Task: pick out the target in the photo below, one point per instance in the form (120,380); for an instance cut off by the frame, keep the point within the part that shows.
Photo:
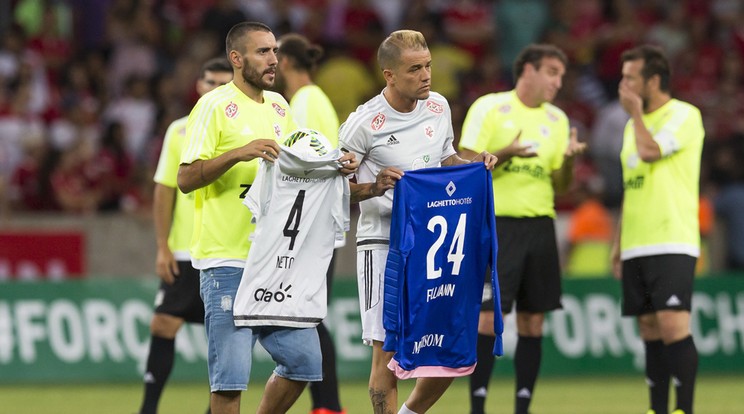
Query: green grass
(621,395)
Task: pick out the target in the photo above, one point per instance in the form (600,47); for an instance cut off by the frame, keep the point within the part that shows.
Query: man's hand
(268,149)
(487,158)
(348,164)
(631,101)
(166,266)
(386,180)
(574,146)
(519,149)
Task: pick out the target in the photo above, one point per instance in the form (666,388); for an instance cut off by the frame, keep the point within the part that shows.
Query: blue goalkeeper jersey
(442,237)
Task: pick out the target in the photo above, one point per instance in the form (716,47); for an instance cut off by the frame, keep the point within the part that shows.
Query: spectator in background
(136,112)
(114,168)
(73,181)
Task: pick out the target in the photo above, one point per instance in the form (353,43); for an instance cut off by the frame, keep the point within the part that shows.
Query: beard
(255,79)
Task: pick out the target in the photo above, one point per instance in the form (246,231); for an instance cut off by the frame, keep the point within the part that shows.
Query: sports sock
(324,393)
(683,362)
(526,365)
(405,410)
(158,369)
(481,376)
(657,375)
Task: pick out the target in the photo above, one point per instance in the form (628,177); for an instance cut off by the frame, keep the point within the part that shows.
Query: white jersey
(301,206)
(382,137)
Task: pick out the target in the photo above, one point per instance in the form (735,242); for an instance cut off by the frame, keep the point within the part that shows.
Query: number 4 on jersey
(292,227)
(455,254)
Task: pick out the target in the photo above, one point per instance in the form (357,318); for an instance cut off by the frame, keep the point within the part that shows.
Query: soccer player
(659,238)
(405,127)
(228,129)
(298,60)
(177,300)
(535,150)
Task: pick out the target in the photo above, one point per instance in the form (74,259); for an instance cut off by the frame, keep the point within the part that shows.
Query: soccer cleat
(678,412)
(326,411)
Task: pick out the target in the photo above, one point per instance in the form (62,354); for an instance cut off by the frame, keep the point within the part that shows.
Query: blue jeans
(296,351)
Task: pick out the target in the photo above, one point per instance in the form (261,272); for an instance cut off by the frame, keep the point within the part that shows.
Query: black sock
(683,362)
(526,365)
(325,393)
(657,375)
(481,376)
(159,366)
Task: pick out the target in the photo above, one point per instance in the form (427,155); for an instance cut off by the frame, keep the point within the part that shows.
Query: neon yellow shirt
(660,208)
(222,120)
(522,187)
(312,109)
(166,174)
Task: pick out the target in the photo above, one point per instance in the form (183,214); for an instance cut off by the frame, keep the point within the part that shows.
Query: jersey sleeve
(477,127)
(498,322)
(200,142)
(683,127)
(352,136)
(166,172)
(395,269)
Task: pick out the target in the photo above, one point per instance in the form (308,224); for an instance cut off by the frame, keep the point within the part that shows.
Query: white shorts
(370,283)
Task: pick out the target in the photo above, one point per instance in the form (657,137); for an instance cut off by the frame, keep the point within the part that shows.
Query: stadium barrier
(97,330)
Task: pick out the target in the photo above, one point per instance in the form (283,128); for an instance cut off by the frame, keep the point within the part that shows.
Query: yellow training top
(522,187)
(222,120)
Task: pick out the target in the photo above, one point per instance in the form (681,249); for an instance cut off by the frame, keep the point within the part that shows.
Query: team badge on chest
(231,110)
(279,109)
(378,122)
(429,131)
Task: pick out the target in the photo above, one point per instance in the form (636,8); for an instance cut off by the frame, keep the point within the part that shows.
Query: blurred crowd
(87,87)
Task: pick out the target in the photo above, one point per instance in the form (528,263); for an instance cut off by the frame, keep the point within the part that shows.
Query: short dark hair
(534,54)
(232,42)
(304,55)
(218,64)
(655,62)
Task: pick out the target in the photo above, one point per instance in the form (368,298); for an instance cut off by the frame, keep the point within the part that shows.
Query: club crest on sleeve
(378,122)
(552,117)
(505,109)
(231,110)
(434,107)
(279,109)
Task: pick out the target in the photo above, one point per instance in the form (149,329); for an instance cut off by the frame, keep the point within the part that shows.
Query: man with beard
(227,131)
(659,238)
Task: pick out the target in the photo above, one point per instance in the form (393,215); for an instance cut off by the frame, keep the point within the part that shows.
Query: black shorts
(182,298)
(527,263)
(654,283)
